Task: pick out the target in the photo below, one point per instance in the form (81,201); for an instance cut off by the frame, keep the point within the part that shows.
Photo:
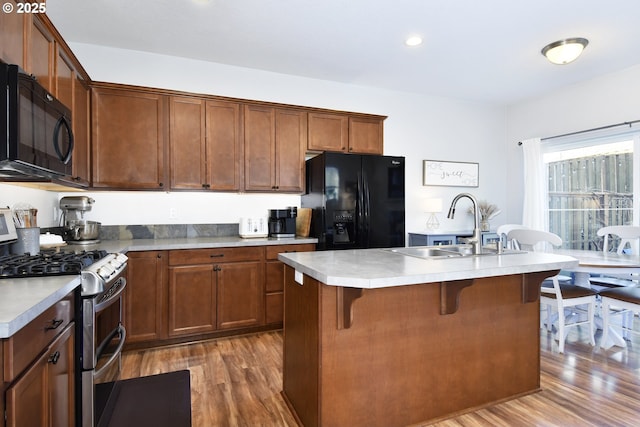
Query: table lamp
(432,206)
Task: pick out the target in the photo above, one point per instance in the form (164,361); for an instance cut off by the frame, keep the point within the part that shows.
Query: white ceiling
(479,50)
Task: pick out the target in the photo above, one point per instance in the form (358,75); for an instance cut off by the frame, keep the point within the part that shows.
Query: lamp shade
(564,51)
(432,205)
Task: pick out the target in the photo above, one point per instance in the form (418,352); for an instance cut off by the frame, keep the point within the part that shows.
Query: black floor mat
(155,401)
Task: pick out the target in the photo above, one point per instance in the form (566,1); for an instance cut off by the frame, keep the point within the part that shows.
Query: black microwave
(37,139)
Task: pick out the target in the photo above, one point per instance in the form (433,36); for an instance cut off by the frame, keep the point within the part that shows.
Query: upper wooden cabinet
(40,57)
(346,133)
(187,145)
(274,144)
(128,133)
(205,144)
(12,31)
(223,127)
(365,135)
(328,132)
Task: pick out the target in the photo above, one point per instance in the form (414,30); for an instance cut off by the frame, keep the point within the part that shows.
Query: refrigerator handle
(366,205)
(360,213)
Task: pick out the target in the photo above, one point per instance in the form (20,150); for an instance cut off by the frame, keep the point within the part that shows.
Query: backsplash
(162,231)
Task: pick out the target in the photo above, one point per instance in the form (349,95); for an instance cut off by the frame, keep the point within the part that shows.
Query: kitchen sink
(448,251)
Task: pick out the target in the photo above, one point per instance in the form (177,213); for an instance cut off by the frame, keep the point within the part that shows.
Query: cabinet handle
(54,324)
(54,358)
(216,255)
(217,268)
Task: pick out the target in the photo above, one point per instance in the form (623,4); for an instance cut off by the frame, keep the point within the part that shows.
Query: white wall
(610,99)
(418,127)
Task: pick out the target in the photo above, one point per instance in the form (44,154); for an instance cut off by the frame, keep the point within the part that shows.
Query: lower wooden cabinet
(145,298)
(274,280)
(215,289)
(44,395)
(178,295)
(39,369)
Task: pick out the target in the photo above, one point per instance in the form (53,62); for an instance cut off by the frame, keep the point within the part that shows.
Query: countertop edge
(423,272)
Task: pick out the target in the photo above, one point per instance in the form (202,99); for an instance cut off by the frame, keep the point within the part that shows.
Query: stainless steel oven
(103,334)
(100,334)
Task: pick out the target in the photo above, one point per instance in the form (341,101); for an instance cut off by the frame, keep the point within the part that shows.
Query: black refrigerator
(357,200)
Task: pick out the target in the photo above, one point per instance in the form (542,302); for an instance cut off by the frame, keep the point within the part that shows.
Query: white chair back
(629,236)
(534,240)
(503,233)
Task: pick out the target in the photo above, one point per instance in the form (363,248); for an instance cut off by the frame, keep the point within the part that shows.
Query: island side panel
(301,354)
(402,362)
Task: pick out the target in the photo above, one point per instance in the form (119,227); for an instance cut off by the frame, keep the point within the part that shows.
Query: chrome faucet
(476,239)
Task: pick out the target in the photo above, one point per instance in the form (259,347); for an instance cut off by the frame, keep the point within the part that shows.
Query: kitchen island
(377,338)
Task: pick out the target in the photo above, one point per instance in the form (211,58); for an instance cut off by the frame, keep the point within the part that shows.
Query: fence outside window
(588,193)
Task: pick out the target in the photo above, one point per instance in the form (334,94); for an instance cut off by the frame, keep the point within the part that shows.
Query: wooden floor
(237,382)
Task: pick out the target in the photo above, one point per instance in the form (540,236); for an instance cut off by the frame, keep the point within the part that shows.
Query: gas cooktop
(48,263)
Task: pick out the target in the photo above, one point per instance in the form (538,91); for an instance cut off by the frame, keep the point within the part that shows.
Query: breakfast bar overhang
(375,338)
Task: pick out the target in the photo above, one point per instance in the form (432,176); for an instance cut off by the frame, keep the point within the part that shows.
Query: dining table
(603,263)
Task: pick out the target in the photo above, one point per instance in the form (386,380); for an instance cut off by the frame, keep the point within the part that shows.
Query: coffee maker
(75,229)
(282,222)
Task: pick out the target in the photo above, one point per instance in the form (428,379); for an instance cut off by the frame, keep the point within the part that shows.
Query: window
(591,185)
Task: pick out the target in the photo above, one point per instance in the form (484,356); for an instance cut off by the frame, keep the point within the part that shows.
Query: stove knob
(105,271)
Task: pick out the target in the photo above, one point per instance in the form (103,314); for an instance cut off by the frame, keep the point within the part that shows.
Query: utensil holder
(28,241)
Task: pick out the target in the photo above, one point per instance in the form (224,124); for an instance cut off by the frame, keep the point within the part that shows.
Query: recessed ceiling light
(565,51)
(413,41)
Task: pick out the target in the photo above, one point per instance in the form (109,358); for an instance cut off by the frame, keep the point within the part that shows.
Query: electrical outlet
(173,213)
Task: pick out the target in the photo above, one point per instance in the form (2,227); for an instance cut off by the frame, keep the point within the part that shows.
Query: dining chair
(503,231)
(625,301)
(568,299)
(629,239)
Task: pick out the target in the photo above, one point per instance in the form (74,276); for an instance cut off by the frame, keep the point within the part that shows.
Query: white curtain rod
(588,130)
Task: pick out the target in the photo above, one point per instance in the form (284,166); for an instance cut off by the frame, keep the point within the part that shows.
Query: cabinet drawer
(273,251)
(215,255)
(23,347)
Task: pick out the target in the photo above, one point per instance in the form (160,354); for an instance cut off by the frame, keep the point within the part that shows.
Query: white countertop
(22,300)
(379,268)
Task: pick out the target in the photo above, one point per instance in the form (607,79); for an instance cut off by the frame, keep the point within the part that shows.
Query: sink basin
(447,251)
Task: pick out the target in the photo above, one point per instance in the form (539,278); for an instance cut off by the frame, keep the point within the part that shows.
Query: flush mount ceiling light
(413,41)
(565,51)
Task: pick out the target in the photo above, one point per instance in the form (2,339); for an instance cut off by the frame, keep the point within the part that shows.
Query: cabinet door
(61,380)
(192,300)
(224,145)
(145,296)
(81,129)
(328,132)
(64,79)
(365,135)
(240,295)
(291,143)
(128,139)
(44,395)
(259,148)
(40,53)
(12,34)
(187,143)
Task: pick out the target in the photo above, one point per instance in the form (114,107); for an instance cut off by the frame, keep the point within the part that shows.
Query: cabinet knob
(54,324)
(53,359)
(160,184)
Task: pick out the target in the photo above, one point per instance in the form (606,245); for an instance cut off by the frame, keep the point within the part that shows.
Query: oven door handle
(123,335)
(103,304)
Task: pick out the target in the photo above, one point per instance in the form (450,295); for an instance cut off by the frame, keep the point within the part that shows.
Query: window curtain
(534,209)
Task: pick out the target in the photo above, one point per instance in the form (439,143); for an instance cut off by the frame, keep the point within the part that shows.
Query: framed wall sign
(450,174)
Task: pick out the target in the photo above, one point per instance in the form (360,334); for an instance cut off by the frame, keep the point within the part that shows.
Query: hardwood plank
(237,382)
